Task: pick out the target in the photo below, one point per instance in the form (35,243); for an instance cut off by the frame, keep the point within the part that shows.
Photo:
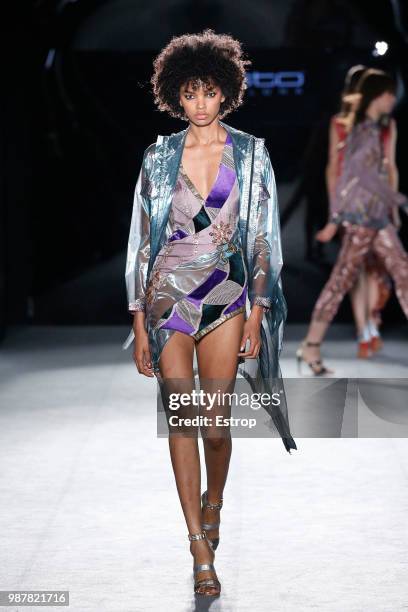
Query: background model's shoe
(210,587)
(364,349)
(317,367)
(211,526)
(376,344)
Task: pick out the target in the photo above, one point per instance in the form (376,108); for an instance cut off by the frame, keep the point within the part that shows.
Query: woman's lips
(201,116)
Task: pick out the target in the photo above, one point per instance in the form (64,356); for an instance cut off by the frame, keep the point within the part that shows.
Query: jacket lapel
(167,156)
(242,146)
(248,166)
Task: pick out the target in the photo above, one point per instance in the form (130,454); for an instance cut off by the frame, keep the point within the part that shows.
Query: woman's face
(201,102)
(386,102)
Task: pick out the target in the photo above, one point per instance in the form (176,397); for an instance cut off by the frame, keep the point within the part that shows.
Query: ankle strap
(307,343)
(211,506)
(197,536)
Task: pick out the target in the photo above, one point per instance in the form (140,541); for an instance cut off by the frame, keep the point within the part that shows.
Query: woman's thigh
(389,249)
(176,359)
(176,380)
(217,351)
(217,358)
(356,243)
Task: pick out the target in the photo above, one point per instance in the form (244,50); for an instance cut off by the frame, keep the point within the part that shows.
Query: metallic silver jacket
(260,237)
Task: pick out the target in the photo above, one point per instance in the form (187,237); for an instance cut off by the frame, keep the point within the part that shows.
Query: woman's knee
(217,442)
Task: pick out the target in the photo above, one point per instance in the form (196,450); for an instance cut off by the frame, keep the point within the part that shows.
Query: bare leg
(176,367)
(373,293)
(217,363)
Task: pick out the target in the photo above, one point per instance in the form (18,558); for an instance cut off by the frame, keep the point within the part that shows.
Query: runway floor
(89,504)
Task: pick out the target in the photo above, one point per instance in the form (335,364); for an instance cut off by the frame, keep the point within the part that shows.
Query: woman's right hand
(141,352)
(395,216)
(327,233)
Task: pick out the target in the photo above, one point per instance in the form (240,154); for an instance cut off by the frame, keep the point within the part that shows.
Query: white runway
(89,504)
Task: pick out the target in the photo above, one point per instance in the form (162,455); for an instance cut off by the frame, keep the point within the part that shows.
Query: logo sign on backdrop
(282,83)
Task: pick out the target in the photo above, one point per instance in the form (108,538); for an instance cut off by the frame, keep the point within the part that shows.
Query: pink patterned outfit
(363,206)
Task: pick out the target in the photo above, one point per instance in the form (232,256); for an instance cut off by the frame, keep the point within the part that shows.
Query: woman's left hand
(252,332)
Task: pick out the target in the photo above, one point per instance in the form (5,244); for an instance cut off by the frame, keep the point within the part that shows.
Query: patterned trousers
(357,243)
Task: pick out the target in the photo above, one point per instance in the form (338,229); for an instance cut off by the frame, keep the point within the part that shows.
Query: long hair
(372,85)
(351,82)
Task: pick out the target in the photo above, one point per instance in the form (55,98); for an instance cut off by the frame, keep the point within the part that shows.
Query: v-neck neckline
(190,183)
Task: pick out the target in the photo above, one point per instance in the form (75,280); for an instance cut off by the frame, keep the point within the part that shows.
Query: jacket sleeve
(267,256)
(138,250)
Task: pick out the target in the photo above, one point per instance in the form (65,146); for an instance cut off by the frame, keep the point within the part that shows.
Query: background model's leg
(356,243)
(388,247)
(359,301)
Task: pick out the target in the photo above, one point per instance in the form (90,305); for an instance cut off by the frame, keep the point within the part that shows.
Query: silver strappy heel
(317,366)
(213,583)
(209,526)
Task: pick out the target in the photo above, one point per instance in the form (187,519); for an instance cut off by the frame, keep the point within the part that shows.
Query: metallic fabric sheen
(259,230)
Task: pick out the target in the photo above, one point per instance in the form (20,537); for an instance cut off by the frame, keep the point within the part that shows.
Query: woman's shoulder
(240,134)
(341,124)
(149,151)
(233,130)
(174,138)
(391,125)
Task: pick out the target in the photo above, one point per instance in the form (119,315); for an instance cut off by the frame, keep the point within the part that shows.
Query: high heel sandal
(364,349)
(376,344)
(210,526)
(212,583)
(317,363)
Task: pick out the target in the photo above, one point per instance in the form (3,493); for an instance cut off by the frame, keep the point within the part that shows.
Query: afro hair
(216,59)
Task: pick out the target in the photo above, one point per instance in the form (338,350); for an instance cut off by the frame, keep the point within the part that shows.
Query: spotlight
(380,48)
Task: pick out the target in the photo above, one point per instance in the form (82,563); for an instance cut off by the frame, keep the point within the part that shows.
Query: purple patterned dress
(199,278)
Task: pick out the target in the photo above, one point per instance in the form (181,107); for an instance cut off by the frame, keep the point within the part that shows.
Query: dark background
(77,113)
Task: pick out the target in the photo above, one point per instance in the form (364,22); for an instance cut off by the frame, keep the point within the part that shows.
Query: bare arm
(390,150)
(393,177)
(330,229)
(333,161)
